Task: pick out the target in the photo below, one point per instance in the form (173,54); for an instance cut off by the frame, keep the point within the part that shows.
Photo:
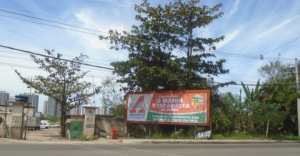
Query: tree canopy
(63,82)
(153,63)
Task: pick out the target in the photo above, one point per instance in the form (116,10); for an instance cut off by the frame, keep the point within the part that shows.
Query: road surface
(16,148)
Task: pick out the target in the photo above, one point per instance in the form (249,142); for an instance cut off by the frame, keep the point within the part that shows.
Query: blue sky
(251,28)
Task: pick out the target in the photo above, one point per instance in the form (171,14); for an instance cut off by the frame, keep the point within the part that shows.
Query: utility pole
(298,91)
(26,128)
(94,91)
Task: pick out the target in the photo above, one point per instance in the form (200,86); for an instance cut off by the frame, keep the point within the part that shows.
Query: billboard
(184,107)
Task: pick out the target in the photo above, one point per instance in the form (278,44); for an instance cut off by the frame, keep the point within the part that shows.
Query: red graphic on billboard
(139,101)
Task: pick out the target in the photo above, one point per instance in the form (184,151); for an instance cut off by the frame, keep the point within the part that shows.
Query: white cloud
(234,8)
(277,27)
(229,37)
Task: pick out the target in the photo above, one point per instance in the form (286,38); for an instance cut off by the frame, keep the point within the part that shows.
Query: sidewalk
(179,141)
(146,141)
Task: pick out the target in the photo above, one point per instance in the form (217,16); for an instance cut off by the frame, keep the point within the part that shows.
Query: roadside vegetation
(266,109)
(52,119)
(166,52)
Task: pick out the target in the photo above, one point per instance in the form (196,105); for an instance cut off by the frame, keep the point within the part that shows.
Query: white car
(54,125)
(44,126)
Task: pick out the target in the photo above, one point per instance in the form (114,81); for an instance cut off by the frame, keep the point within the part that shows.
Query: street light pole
(298,91)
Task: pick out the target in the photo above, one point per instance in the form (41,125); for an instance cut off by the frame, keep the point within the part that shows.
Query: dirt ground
(44,134)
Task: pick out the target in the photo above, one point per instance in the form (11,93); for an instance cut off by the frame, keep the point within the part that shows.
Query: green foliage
(152,63)
(158,136)
(247,136)
(84,138)
(110,93)
(284,137)
(51,119)
(280,95)
(119,110)
(238,136)
(177,134)
(229,115)
(63,82)
(252,95)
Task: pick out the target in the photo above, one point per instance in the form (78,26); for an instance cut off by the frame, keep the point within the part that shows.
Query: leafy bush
(177,134)
(158,136)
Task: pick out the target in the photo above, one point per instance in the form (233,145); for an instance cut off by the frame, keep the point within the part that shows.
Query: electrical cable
(33,53)
(267,52)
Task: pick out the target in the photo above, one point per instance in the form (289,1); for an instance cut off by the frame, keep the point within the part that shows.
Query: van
(44,125)
(45,122)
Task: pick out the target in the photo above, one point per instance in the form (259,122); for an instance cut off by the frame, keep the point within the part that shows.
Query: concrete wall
(2,131)
(8,124)
(104,124)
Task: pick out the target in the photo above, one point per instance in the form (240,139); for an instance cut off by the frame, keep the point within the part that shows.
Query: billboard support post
(149,131)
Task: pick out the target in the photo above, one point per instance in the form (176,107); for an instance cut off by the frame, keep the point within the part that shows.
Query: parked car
(44,125)
(45,122)
(54,125)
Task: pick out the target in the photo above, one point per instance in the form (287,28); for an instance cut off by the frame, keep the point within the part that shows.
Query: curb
(148,141)
(138,141)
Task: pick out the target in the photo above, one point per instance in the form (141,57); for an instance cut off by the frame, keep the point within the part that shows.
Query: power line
(217,52)
(42,19)
(78,27)
(163,82)
(33,53)
(268,52)
(53,17)
(50,25)
(37,18)
(90,58)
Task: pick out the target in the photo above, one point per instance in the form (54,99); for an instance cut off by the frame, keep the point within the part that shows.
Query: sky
(251,29)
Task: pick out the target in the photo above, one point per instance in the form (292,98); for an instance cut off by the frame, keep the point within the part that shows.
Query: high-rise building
(45,108)
(53,108)
(75,111)
(103,110)
(4,97)
(33,99)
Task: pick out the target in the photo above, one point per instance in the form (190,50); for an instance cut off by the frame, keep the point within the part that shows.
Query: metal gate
(76,129)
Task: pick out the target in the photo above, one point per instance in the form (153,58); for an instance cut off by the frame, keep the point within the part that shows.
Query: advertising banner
(186,107)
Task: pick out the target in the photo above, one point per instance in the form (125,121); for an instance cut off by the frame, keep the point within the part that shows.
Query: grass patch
(285,137)
(95,137)
(239,136)
(246,136)
(158,136)
(179,134)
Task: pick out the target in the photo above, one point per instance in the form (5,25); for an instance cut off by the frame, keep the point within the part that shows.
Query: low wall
(8,118)
(2,131)
(104,124)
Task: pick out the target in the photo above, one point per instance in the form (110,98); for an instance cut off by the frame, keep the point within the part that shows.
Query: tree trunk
(267,131)
(63,123)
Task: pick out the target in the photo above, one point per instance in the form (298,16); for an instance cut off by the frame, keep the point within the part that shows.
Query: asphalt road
(90,149)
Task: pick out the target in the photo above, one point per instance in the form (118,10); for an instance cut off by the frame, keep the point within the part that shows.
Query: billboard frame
(170,92)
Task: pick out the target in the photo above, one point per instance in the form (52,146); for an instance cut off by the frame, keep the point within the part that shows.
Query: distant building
(102,110)
(76,111)
(53,108)
(45,108)
(4,97)
(33,99)
(83,108)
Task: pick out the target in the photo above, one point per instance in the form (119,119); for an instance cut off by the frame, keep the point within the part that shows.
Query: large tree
(63,82)
(111,95)
(280,90)
(153,63)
